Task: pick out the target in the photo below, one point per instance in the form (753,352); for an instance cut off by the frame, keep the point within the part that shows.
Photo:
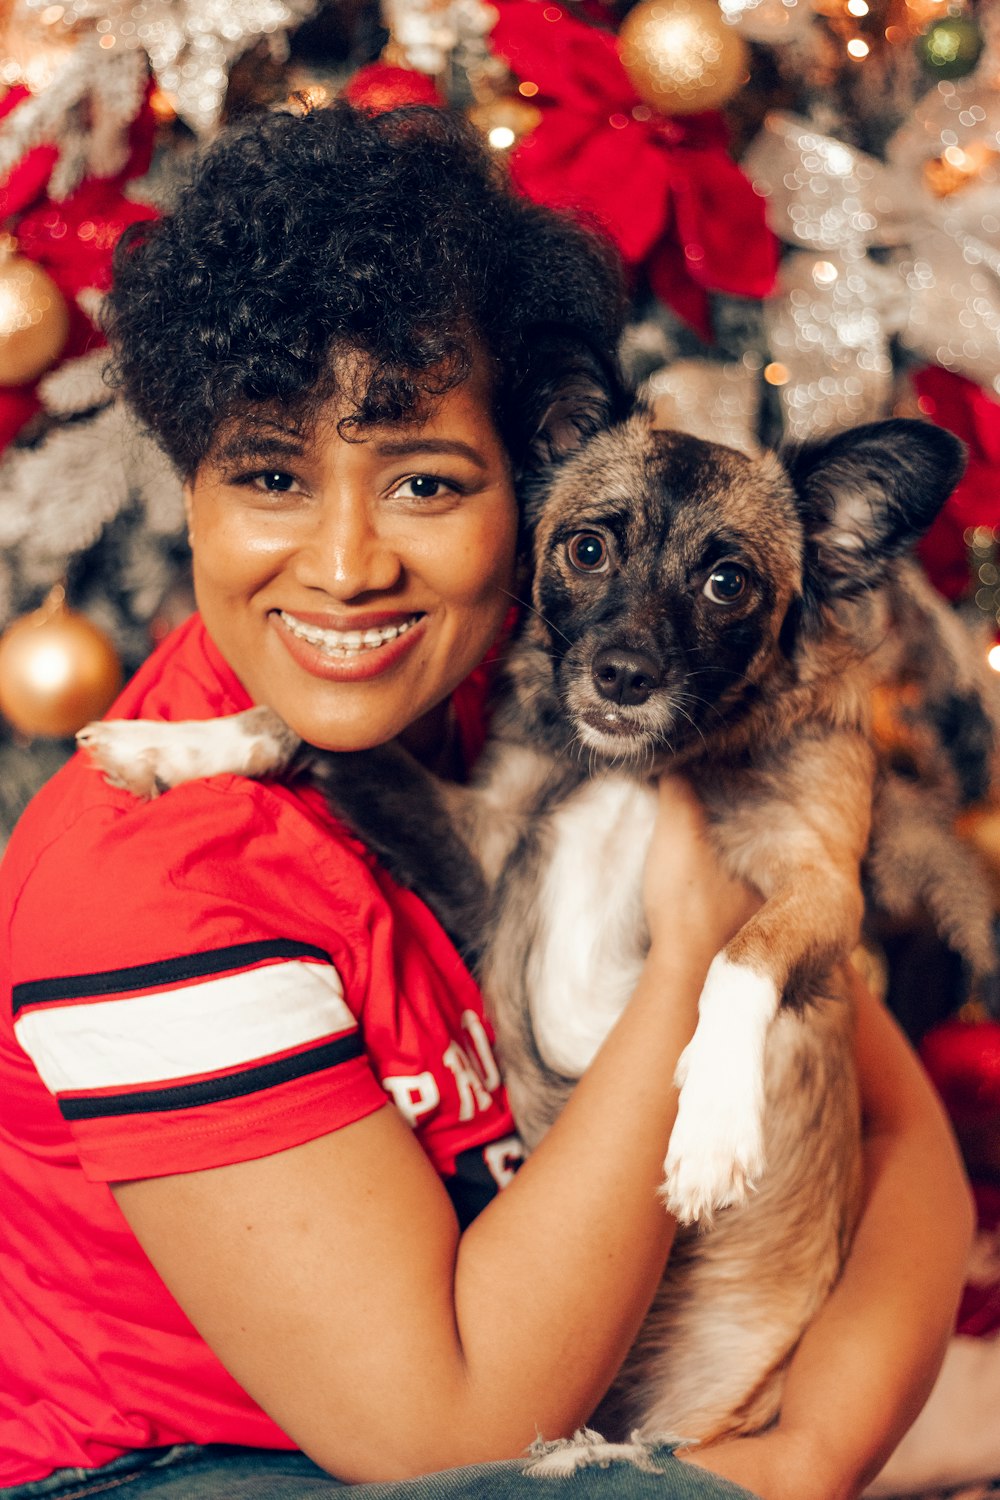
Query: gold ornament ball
(34,321)
(681,56)
(57,672)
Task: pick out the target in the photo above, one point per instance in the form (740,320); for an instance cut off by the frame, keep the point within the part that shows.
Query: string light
(983,543)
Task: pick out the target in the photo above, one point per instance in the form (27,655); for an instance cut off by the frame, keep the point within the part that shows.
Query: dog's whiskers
(527,604)
(692,721)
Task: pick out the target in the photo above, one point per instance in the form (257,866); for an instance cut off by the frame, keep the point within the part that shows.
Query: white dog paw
(712,1163)
(147,756)
(716,1151)
(127,753)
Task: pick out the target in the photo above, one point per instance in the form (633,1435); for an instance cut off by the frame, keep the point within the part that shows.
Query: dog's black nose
(623,676)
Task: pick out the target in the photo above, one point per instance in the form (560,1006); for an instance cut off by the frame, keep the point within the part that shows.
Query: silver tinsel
(933,282)
(86,110)
(709,399)
(439,36)
(190,43)
(57,499)
(770,21)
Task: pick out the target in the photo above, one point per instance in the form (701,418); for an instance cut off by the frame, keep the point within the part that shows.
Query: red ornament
(963,1060)
(979,1309)
(666,191)
(380,87)
(71,239)
(965,409)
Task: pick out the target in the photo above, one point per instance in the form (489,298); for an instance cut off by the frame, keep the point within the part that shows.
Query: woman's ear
(188,492)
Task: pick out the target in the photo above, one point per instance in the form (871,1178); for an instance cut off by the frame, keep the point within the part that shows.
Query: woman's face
(352,584)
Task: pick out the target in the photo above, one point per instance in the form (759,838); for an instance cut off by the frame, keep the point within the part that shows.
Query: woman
(232,1269)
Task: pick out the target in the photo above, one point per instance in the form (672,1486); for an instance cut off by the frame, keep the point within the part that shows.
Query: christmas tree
(805,195)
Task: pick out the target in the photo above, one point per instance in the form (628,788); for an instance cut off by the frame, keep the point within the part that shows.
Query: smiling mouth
(343,644)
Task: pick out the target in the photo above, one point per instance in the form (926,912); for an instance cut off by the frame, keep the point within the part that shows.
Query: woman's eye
(274,481)
(423,487)
(726,583)
(588,552)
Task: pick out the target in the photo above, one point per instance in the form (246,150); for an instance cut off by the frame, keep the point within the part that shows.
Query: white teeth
(346,642)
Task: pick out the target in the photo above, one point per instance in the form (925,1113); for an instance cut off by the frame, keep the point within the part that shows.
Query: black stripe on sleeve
(213,1090)
(168,971)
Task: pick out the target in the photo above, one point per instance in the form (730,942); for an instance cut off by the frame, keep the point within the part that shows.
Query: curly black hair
(392,235)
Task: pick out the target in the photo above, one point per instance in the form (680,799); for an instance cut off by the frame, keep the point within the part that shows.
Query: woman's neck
(434,741)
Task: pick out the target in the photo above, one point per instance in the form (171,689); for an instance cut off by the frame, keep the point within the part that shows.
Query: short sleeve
(182,976)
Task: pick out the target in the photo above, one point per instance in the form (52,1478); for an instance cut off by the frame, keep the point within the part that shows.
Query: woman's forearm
(866,1364)
(582,1226)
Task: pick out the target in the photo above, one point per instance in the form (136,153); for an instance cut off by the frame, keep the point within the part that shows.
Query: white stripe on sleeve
(200,1028)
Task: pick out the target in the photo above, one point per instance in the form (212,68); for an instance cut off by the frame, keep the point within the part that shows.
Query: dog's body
(694,609)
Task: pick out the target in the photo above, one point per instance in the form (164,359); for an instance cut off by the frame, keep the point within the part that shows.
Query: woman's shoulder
(95,878)
(89,863)
(81,832)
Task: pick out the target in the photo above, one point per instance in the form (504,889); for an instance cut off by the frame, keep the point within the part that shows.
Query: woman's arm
(866,1364)
(332,1281)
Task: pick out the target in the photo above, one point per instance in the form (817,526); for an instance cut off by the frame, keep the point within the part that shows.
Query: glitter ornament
(57,671)
(950,48)
(34,320)
(681,56)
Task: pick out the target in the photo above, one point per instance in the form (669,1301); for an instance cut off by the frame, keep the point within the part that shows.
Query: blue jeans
(218,1472)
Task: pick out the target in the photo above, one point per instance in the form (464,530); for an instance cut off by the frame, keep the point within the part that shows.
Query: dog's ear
(571,391)
(865,496)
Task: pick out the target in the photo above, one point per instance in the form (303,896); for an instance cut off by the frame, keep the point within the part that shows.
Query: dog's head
(676,582)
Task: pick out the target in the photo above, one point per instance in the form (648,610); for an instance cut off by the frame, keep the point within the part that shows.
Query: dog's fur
(763,700)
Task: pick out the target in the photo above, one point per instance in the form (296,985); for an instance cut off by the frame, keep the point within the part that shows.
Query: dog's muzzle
(624,676)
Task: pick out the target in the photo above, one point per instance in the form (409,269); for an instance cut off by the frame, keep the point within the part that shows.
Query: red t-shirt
(206,978)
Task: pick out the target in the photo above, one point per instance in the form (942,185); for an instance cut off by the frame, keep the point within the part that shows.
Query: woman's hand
(865,1366)
(776,1465)
(689,898)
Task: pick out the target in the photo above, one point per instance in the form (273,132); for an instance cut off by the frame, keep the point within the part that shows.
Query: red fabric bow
(72,240)
(966,410)
(664,189)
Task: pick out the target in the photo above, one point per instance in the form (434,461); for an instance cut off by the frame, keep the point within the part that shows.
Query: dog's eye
(588,552)
(726,583)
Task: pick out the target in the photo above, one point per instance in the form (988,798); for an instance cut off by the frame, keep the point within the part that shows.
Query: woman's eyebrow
(401,447)
(256,444)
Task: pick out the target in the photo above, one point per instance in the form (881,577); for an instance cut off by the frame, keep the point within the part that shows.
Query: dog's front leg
(716,1152)
(804,855)
(148,756)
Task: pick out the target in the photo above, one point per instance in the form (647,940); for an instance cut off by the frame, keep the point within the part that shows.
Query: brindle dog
(691,608)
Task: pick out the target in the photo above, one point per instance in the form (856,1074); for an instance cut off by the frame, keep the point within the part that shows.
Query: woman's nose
(347,555)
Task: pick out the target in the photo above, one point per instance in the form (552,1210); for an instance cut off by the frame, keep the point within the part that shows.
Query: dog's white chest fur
(594,931)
